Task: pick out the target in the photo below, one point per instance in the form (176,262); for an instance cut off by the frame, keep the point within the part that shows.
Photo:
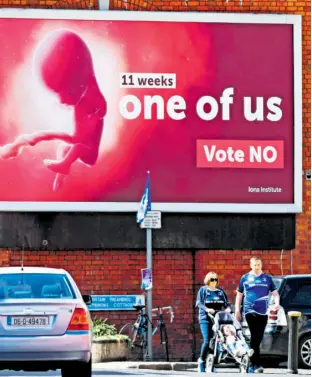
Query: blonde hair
(255,259)
(209,276)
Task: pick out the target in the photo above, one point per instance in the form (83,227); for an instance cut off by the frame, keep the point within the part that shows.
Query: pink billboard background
(64,137)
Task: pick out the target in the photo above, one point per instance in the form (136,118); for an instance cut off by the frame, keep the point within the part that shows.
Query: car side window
(288,291)
(303,295)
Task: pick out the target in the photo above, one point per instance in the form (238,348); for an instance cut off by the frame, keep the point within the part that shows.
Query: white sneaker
(201,366)
(259,369)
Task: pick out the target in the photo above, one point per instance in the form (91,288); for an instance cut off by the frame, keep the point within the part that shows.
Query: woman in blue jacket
(210,298)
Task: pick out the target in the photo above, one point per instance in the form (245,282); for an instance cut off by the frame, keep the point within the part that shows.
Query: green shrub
(104,331)
(101,328)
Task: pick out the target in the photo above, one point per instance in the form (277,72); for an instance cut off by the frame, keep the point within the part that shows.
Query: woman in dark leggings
(210,298)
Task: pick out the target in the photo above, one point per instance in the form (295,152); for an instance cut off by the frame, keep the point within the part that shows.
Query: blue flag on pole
(145,204)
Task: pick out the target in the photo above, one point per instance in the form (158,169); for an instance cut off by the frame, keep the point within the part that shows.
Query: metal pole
(149,294)
(293,343)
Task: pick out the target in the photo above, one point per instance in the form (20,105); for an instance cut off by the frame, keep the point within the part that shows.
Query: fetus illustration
(64,64)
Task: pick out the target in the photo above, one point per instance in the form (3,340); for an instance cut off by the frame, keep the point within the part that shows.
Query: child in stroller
(228,343)
(235,345)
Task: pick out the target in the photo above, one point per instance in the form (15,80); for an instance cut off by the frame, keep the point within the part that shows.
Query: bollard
(293,343)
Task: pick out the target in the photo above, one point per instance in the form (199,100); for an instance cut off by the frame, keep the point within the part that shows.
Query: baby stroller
(220,352)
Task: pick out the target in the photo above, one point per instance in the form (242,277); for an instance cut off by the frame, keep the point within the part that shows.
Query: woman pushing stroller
(219,328)
(210,299)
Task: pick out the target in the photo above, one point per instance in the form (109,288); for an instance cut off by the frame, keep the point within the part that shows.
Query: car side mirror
(87,299)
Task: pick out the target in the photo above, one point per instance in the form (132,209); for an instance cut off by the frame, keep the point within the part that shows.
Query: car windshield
(21,285)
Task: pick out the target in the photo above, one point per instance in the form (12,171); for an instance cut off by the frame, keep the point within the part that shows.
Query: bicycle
(137,332)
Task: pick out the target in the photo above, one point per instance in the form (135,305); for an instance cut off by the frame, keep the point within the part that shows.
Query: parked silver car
(44,322)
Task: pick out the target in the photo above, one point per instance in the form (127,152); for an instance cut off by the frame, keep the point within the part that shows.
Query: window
(303,295)
(288,292)
(38,286)
(278,282)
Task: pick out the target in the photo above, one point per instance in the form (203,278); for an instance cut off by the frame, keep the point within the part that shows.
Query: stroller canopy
(225,318)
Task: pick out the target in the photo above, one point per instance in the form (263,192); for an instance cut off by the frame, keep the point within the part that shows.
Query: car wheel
(304,355)
(78,369)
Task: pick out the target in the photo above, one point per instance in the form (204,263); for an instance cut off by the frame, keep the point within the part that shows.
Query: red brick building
(179,273)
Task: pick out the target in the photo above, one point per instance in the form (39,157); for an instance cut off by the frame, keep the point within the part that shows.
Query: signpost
(152,220)
(148,220)
(149,293)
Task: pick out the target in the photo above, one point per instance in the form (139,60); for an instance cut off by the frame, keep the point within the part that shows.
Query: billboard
(210,104)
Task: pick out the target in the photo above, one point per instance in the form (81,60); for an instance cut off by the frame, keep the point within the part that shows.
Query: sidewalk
(177,366)
(146,365)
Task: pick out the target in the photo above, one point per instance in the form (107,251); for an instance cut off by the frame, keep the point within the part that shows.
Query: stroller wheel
(243,368)
(210,363)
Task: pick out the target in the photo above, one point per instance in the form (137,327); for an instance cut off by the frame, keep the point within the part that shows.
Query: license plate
(29,321)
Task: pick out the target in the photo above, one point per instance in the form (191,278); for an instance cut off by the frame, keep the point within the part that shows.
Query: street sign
(152,220)
(101,302)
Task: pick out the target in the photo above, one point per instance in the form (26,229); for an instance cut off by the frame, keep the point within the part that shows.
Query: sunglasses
(212,280)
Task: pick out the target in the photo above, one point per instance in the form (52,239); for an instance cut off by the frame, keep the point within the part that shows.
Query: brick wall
(4,258)
(178,274)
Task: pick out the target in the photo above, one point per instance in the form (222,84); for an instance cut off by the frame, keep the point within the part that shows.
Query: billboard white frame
(294,20)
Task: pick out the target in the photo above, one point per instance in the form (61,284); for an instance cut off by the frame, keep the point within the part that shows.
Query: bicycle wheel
(138,344)
(164,341)
(129,330)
